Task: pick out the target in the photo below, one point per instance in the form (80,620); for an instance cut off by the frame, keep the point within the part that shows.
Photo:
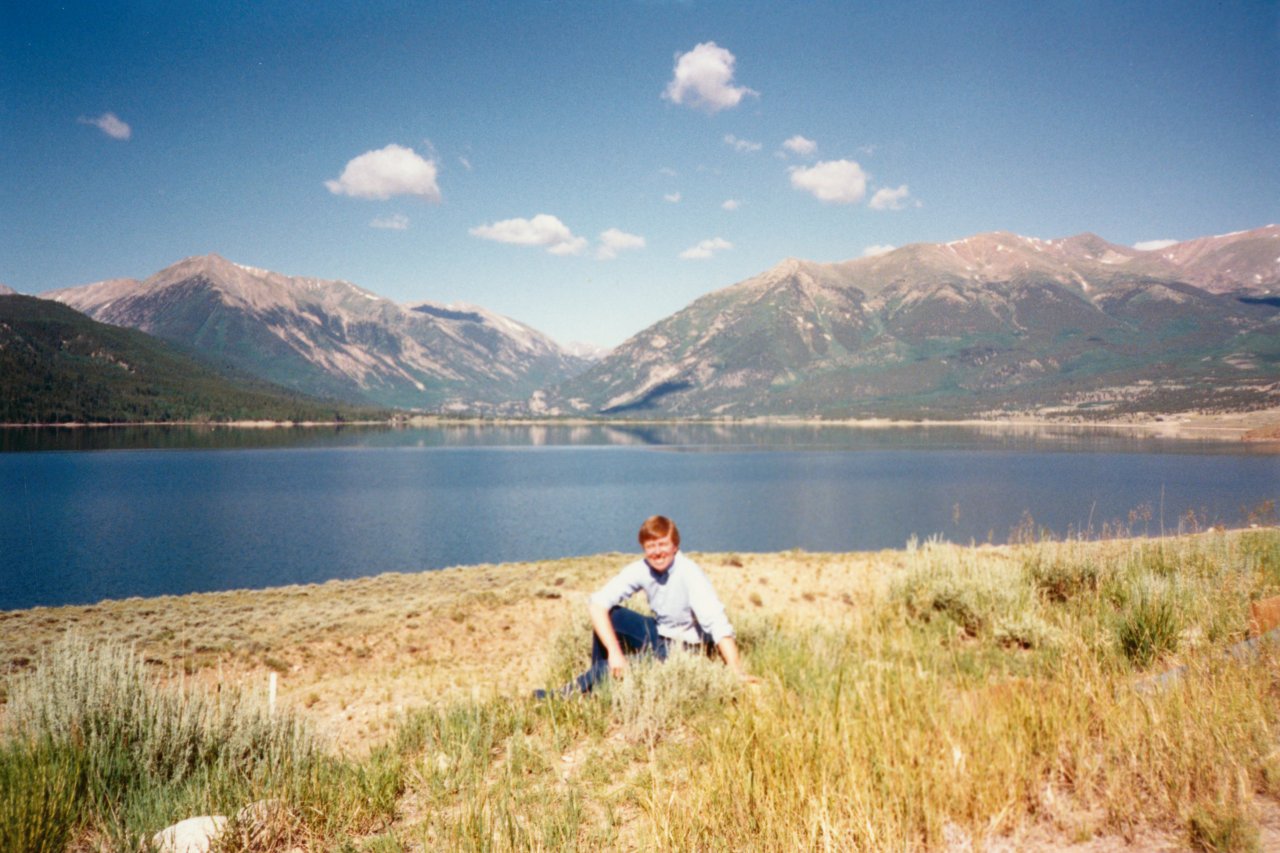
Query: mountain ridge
(333,338)
(59,366)
(989,322)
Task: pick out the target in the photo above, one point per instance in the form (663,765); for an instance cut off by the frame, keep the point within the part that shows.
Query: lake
(92,514)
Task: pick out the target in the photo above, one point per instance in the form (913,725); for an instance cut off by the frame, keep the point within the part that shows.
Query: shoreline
(355,652)
(487,570)
(1262,425)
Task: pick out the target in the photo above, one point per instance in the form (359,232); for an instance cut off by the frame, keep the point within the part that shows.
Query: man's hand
(729,651)
(618,664)
(609,639)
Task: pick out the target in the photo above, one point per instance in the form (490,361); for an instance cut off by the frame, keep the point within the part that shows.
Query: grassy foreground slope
(939,697)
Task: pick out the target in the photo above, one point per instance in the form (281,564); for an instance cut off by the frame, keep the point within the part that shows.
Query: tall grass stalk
(40,795)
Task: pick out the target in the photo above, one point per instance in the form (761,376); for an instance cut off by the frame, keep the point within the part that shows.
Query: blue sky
(591,167)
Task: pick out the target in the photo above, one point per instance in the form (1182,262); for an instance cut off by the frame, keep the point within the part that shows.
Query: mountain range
(994,322)
(59,366)
(332,338)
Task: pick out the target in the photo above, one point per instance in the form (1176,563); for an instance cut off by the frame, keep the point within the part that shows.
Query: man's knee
(633,630)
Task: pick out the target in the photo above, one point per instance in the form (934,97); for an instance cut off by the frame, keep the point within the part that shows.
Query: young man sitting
(686,610)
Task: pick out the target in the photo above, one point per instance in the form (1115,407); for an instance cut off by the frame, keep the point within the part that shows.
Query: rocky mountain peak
(211,265)
(1086,243)
(254,288)
(807,276)
(784,270)
(985,320)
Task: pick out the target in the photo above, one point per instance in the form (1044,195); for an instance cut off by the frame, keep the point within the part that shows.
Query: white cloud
(394,222)
(745,146)
(872,251)
(1153,245)
(835,181)
(887,199)
(614,241)
(674,198)
(703,78)
(111,125)
(390,171)
(466,164)
(573,246)
(705,249)
(542,230)
(800,146)
(731,204)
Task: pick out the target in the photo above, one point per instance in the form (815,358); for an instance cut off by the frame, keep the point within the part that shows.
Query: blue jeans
(637,635)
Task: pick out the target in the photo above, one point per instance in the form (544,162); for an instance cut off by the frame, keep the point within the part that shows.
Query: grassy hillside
(59,366)
(940,697)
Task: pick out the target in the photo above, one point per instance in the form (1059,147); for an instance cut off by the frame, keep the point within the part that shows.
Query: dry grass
(351,653)
(938,697)
(354,654)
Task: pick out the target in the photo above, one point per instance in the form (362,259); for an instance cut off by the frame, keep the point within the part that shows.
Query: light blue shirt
(681,598)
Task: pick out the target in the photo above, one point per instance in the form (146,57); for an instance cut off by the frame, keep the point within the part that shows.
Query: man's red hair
(658,526)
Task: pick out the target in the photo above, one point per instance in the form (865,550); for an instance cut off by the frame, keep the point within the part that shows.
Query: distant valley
(994,323)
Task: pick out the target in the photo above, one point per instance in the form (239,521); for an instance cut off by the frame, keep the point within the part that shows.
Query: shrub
(137,754)
(656,697)
(570,650)
(1061,577)
(984,598)
(104,701)
(1025,631)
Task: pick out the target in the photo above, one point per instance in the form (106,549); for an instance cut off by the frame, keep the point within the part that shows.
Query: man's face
(659,553)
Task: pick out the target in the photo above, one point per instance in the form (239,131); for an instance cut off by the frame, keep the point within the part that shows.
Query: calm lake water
(87,515)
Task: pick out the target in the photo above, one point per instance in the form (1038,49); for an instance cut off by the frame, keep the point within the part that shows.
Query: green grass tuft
(1222,829)
(41,791)
(1149,626)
